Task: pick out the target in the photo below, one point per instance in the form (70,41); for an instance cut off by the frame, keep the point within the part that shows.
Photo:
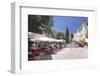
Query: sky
(72,22)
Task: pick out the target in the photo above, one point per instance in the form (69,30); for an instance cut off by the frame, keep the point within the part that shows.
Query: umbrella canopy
(34,35)
(43,39)
(46,39)
(38,37)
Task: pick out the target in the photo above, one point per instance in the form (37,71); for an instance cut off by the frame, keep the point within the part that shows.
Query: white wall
(5,33)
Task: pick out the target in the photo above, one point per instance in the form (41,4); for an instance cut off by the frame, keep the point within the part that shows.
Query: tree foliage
(67,35)
(60,35)
(87,35)
(38,24)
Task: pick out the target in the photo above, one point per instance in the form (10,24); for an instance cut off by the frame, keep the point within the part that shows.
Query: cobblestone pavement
(71,53)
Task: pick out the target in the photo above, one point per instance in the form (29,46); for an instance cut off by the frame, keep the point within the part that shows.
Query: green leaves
(67,35)
(60,35)
(87,35)
(38,24)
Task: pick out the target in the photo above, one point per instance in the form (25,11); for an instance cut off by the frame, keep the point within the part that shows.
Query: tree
(60,35)
(71,36)
(87,35)
(49,32)
(39,24)
(34,23)
(67,35)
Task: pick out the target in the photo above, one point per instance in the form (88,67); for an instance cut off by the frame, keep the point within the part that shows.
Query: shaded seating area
(43,47)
